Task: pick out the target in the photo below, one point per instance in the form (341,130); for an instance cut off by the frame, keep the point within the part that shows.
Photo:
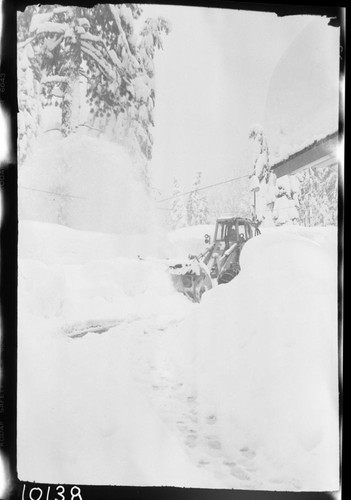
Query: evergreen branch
(106,71)
(96,51)
(94,38)
(52,44)
(54,78)
(21,45)
(113,9)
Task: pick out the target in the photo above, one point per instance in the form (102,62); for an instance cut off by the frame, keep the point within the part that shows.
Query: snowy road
(178,409)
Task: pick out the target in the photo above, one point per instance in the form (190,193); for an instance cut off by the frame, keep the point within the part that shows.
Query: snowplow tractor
(219,263)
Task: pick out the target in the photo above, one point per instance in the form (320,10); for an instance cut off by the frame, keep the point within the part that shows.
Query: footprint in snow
(211,419)
(215,445)
(191,439)
(203,462)
(247,452)
(238,472)
(181,425)
(213,442)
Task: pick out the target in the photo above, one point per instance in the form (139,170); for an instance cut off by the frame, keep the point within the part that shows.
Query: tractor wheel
(227,276)
(203,289)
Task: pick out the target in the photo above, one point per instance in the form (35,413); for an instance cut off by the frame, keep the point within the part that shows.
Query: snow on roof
(293,149)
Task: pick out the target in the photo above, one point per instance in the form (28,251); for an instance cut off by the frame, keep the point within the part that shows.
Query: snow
(142,90)
(83,182)
(50,27)
(287,150)
(126,14)
(302,104)
(260,356)
(52,244)
(239,391)
(39,19)
(189,240)
(88,421)
(100,398)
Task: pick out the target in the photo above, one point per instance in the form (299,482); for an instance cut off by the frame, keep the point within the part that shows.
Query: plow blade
(191,278)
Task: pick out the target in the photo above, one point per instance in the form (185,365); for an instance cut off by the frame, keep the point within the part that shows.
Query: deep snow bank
(260,354)
(83,418)
(86,183)
(54,243)
(57,244)
(82,415)
(189,240)
(76,276)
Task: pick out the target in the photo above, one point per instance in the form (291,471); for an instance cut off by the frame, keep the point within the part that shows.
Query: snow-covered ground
(123,381)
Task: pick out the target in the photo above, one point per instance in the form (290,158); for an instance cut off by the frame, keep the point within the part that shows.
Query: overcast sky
(222,71)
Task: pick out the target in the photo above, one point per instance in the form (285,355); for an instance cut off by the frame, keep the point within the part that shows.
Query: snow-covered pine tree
(260,152)
(318,196)
(260,178)
(28,84)
(203,211)
(178,210)
(86,70)
(144,84)
(197,207)
(285,211)
(62,44)
(193,200)
(275,201)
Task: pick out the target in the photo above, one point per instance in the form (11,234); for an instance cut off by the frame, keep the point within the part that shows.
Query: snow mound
(260,355)
(189,240)
(82,276)
(82,412)
(86,419)
(85,183)
(56,244)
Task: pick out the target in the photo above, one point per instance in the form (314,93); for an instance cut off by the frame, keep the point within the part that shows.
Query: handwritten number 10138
(51,493)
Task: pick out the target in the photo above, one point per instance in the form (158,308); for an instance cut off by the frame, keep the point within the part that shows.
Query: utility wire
(52,192)
(205,187)
(158,201)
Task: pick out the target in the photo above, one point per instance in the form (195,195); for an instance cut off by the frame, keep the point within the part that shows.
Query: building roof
(321,152)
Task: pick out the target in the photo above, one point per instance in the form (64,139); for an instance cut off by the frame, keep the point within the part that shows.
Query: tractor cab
(234,230)
(231,233)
